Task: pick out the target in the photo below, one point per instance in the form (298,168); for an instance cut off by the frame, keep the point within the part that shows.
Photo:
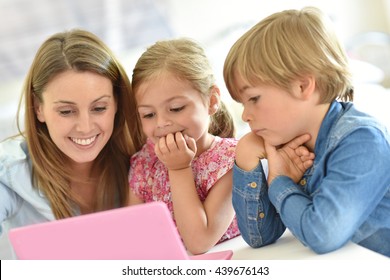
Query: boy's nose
(245,116)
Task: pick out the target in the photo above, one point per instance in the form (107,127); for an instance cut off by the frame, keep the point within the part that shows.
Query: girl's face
(168,105)
(79,110)
(272,113)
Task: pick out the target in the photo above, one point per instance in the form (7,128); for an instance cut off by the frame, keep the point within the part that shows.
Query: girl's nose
(163,122)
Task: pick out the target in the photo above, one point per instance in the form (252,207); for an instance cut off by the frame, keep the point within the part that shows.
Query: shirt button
(302,182)
(261,215)
(253,185)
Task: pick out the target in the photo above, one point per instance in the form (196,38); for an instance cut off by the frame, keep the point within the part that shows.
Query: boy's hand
(176,151)
(292,159)
(249,150)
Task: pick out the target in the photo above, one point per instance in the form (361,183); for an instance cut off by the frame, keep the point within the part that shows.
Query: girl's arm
(134,199)
(201,225)
(136,179)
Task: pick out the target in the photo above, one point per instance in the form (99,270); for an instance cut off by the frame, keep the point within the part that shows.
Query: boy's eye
(177,109)
(254,99)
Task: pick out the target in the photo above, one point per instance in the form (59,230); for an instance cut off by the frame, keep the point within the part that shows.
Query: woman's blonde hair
(288,45)
(79,50)
(186,59)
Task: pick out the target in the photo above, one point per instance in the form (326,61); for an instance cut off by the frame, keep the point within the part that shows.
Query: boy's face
(274,114)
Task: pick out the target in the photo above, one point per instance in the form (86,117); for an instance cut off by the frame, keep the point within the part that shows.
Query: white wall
(217,24)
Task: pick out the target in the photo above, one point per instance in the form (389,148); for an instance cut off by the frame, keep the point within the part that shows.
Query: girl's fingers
(190,143)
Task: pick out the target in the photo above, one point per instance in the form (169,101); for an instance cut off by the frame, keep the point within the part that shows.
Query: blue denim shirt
(344,196)
(20,202)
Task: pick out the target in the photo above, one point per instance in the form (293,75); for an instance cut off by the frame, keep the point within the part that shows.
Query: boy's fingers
(300,140)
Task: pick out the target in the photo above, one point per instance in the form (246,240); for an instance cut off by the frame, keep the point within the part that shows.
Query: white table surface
(290,248)
(286,247)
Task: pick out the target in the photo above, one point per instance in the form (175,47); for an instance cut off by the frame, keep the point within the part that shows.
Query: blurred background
(129,26)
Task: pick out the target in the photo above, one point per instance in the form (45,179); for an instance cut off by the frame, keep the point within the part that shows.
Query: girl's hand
(291,159)
(176,151)
(249,150)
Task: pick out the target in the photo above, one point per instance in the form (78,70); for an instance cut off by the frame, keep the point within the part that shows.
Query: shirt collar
(335,109)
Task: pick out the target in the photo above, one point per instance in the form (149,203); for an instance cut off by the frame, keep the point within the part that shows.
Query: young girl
(186,161)
(81,129)
(291,75)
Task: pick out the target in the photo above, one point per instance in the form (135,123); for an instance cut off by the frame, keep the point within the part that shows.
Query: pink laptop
(141,232)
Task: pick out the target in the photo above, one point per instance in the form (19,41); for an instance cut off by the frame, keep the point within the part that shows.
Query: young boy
(291,75)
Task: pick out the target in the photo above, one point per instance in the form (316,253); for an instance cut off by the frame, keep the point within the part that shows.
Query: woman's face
(79,110)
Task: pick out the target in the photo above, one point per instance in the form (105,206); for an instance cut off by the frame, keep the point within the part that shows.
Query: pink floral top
(148,177)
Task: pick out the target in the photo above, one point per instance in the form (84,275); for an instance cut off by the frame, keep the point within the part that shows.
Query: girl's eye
(148,116)
(177,109)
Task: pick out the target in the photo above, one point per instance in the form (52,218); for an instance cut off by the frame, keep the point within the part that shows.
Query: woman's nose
(84,122)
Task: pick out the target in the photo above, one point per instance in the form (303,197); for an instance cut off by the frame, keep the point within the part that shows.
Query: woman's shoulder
(13,150)
(15,165)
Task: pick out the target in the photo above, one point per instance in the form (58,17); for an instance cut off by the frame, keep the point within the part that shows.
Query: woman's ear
(38,110)
(214,100)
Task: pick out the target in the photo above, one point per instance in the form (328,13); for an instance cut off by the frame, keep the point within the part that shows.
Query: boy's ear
(214,100)
(307,85)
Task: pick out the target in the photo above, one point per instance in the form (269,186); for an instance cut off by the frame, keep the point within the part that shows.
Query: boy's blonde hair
(288,45)
(187,60)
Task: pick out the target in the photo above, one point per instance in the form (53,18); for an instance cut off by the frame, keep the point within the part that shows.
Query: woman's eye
(100,109)
(177,109)
(65,112)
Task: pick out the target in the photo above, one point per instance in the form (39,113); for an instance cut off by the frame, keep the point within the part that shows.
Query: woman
(81,128)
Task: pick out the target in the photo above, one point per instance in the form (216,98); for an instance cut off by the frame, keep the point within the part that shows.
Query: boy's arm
(291,160)
(258,220)
(250,149)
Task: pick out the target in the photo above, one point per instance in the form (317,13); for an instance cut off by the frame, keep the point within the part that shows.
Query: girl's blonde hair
(187,60)
(286,46)
(79,50)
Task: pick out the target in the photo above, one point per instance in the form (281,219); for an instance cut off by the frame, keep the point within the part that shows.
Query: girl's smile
(167,105)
